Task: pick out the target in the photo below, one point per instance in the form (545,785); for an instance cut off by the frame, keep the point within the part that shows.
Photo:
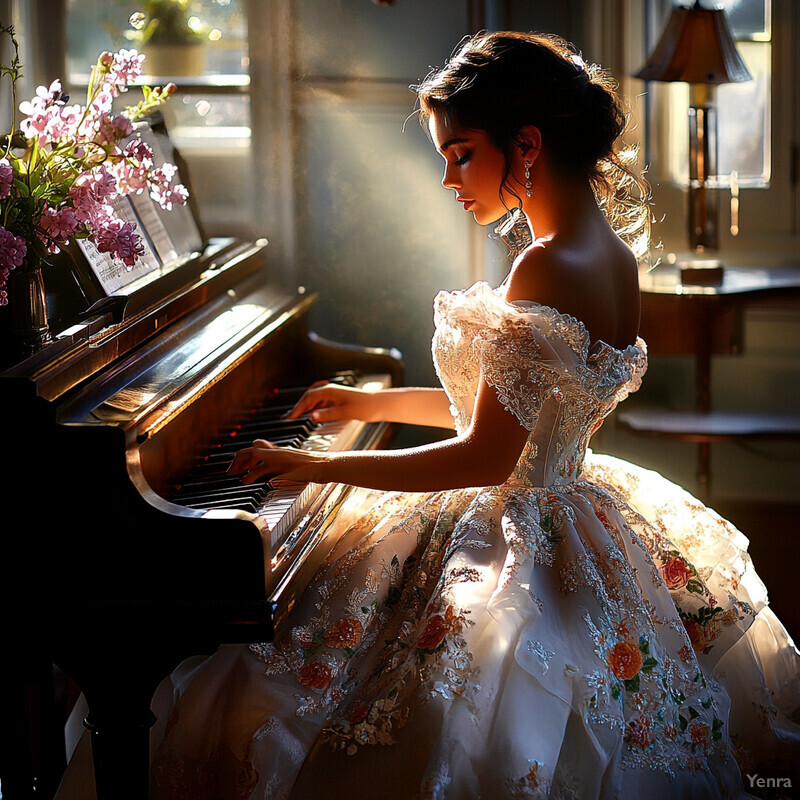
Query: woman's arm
(327,402)
(484,455)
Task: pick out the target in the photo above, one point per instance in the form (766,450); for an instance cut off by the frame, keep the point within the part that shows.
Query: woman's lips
(467,203)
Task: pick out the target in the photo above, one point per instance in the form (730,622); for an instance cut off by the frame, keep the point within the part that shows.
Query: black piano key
(210,485)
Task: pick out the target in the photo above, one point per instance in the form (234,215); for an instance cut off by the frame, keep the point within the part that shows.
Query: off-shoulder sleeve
(527,352)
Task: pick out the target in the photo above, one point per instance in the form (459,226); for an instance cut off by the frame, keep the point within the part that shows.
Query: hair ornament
(579,63)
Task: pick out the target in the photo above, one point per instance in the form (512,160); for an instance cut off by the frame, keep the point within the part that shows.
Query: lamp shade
(695,47)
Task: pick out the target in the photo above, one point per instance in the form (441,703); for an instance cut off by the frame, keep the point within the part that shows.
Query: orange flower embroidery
(686,653)
(625,660)
(315,675)
(730,616)
(437,628)
(699,733)
(701,636)
(345,633)
(639,733)
(676,573)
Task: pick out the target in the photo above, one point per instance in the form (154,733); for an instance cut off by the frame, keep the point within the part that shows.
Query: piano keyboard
(281,504)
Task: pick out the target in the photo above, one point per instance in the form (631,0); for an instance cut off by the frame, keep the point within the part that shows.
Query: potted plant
(60,172)
(171,36)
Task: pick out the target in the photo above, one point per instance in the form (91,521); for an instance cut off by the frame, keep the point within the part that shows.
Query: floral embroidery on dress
(603,602)
(531,785)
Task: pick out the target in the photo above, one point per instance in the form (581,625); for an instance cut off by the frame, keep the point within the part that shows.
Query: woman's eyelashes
(459,162)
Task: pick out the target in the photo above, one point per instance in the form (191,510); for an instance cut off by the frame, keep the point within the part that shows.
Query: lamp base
(702,272)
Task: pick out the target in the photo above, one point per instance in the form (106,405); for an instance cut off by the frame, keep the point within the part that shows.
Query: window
(202,46)
(758,125)
(743,109)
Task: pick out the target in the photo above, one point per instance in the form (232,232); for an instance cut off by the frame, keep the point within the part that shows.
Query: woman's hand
(329,402)
(267,460)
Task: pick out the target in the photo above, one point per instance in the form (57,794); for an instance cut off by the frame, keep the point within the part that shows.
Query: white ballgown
(586,630)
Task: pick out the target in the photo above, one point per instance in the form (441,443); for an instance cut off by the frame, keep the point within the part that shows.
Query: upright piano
(126,547)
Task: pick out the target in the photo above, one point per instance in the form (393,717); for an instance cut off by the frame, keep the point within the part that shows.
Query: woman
(566,629)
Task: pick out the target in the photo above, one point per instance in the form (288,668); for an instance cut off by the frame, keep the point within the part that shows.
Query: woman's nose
(448,180)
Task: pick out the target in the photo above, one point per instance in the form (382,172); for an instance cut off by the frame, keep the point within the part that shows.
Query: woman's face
(474,168)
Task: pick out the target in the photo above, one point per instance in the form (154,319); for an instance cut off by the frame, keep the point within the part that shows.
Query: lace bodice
(544,371)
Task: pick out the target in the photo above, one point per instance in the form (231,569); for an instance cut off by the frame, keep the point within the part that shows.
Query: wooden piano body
(104,574)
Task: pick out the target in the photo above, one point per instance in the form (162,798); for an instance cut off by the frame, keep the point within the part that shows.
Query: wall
(373,230)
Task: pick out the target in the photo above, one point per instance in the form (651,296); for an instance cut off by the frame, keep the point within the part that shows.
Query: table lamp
(697,48)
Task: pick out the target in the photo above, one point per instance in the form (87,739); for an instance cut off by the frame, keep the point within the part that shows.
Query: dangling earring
(528,184)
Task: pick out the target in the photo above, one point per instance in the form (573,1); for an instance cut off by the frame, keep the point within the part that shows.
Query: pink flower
(44,98)
(102,184)
(119,239)
(162,192)
(101,104)
(125,68)
(60,224)
(12,249)
(130,179)
(6,178)
(48,116)
(132,169)
(139,151)
(12,254)
(85,204)
(110,129)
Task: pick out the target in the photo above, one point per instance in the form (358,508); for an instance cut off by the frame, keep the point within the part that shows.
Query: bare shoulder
(597,284)
(535,274)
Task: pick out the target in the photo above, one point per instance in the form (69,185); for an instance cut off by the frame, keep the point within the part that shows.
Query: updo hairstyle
(500,82)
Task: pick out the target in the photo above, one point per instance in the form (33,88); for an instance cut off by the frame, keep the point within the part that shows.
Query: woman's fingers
(250,458)
(264,460)
(324,396)
(312,397)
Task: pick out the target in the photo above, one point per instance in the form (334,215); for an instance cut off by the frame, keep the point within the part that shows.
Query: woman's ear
(529,141)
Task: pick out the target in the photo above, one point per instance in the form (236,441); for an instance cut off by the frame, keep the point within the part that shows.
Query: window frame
(769,217)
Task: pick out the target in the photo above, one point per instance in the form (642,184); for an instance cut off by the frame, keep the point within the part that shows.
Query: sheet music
(151,223)
(167,236)
(113,274)
(179,222)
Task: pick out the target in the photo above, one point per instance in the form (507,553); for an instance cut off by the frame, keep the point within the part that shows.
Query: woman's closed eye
(463,160)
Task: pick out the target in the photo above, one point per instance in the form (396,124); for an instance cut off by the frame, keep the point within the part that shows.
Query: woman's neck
(558,206)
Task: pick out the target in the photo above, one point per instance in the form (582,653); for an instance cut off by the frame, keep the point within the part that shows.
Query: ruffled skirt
(606,638)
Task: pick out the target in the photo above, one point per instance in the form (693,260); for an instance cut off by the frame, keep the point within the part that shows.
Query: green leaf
(632,684)
(644,645)
(693,713)
(648,664)
(615,691)
(683,723)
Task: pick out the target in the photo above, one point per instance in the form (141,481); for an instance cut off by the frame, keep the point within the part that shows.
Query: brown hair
(500,82)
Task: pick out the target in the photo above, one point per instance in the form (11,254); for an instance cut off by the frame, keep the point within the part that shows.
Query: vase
(174,60)
(28,304)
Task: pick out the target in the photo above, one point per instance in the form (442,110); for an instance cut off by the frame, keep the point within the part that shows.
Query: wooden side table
(704,321)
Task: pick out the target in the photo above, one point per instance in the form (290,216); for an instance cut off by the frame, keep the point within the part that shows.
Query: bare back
(591,275)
